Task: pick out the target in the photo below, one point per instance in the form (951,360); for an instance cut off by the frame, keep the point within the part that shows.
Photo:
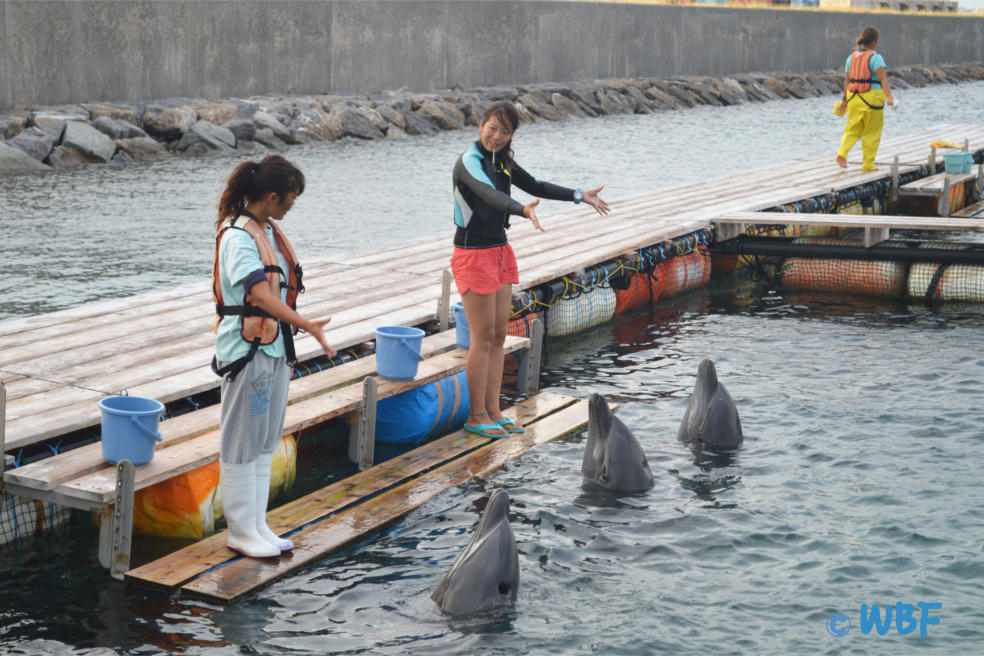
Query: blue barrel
(398,351)
(462,334)
(411,417)
(129,428)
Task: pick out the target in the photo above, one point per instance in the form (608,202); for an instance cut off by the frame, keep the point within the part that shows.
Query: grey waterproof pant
(253,409)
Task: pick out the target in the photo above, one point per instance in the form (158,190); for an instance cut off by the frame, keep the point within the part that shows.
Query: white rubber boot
(239,502)
(263,465)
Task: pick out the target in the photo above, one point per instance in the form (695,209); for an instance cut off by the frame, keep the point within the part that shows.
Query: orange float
(642,289)
(684,273)
(879,278)
(187,506)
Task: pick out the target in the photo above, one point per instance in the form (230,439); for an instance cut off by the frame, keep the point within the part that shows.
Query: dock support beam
(116,530)
(444,302)
(874,236)
(894,196)
(932,160)
(528,375)
(362,434)
(3,436)
(943,208)
(726,231)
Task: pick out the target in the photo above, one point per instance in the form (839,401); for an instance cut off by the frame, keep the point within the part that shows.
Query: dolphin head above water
(613,458)
(711,417)
(486,573)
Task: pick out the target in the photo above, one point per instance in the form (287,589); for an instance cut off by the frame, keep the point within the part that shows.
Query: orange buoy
(878,278)
(684,273)
(643,288)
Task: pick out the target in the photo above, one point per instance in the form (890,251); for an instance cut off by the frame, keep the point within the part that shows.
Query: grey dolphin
(612,456)
(486,573)
(711,417)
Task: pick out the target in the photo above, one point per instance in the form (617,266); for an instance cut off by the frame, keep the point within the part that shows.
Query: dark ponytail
(251,181)
(868,36)
(508,115)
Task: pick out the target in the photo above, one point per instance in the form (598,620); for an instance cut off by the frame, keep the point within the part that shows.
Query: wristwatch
(578,196)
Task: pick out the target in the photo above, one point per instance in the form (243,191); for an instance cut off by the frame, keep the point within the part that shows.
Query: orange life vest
(859,76)
(258,327)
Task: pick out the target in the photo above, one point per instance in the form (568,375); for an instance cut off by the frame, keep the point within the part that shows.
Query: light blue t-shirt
(239,257)
(876,62)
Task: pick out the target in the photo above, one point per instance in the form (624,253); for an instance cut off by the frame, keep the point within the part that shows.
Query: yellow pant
(866,124)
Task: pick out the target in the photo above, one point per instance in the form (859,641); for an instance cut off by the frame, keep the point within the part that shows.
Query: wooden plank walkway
(82,479)
(56,366)
(335,516)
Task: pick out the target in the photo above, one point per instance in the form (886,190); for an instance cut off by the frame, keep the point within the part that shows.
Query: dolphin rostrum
(486,573)
(711,417)
(613,458)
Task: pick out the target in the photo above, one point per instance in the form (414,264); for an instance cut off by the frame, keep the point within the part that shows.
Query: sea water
(858,484)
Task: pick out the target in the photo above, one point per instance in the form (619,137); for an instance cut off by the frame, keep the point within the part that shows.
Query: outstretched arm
(261,296)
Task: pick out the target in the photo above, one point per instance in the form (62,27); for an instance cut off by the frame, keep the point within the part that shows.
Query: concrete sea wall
(72,51)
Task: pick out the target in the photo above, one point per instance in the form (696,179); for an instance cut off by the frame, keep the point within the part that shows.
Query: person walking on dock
(255,281)
(866,92)
(483,263)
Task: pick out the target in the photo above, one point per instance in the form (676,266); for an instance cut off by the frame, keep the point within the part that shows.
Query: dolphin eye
(604,471)
(504,587)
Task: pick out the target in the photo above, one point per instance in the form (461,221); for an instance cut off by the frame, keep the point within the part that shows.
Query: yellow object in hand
(839,108)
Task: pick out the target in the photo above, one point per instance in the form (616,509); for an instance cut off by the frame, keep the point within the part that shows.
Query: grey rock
(611,102)
(682,94)
(168,122)
(117,112)
(473,109)
(419,124)
(265,119)
(566,105)
(14,161)
(395,132)
(494,93)
(642,104)
(266,137)
(215,135)
(249,147)
(197,148)
(355,124)
(448,116)
(12,124)
(391,114)
(116,128)
(35,142)
(63,157)
(374,117)
(662,100)
(243,129)
(143,149)
(542,109)
(217,113)
(246,108)
(585,96)
(322,126)
(299,136)
(63,112)
(89,141)
(525,115)
(50,124)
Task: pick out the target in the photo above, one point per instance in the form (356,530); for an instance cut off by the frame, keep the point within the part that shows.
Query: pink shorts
(484,270)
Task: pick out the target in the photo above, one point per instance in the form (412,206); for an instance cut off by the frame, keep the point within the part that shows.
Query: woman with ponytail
(866,92)
(255,281)
(483,263)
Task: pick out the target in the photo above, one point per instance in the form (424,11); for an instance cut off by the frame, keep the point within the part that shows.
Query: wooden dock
(158,344)
(333,517)
(55,367)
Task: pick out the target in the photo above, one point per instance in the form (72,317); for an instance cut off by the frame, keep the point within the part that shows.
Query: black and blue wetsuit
(482,204)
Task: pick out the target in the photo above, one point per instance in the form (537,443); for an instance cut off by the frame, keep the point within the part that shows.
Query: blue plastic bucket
(958,162)
(129,428)
(462,334)
(398,351)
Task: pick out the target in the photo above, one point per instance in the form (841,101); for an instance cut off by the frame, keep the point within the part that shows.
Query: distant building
(942,6)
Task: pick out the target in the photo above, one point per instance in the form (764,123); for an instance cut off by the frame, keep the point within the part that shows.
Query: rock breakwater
(36,139)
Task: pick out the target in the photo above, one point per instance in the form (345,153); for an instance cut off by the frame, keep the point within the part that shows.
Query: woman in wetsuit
(483,262)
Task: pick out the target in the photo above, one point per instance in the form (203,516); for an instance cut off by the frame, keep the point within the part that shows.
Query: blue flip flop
(506,421)
(479,429)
